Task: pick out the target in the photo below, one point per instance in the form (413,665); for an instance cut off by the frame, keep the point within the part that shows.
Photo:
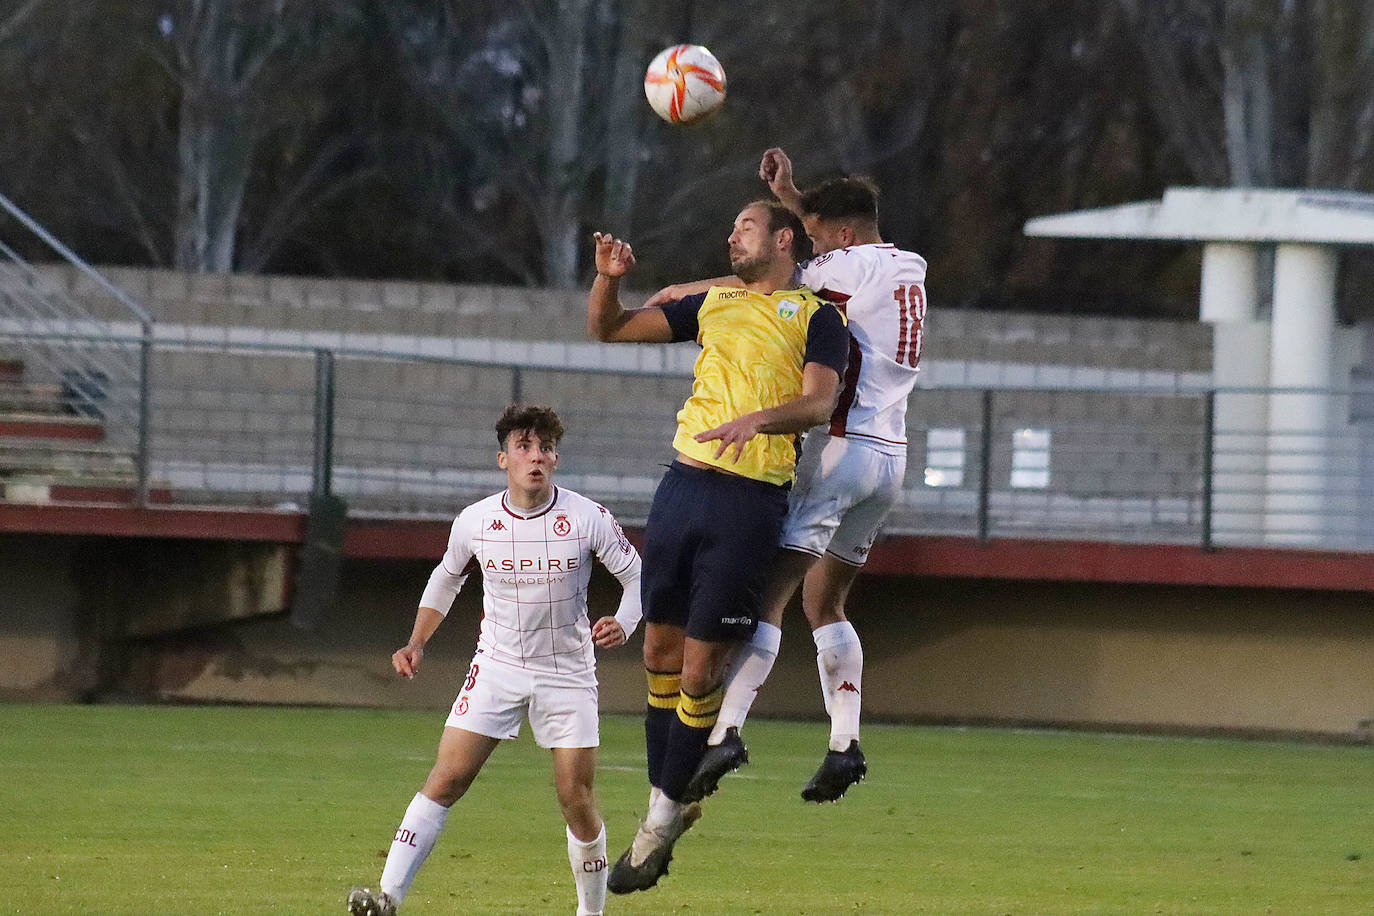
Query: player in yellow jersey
(772,356)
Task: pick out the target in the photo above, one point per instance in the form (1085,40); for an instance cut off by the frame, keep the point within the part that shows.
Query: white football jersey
(881,289)
(535,568)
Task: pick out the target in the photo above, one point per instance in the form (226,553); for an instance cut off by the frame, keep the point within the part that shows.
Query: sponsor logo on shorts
(847,686)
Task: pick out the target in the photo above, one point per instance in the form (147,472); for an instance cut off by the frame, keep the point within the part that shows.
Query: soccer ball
(684,83)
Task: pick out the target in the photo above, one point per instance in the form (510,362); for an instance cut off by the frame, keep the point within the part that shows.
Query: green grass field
(173,810)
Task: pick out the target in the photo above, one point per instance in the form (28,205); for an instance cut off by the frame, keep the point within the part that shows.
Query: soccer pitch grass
(148,811)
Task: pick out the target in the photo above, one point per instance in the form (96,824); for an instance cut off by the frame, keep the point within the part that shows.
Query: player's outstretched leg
(640,867)
(725,749)
(840,659)
(588,861)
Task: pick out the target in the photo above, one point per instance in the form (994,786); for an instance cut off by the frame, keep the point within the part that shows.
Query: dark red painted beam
(159,522)
(1097,561)
(54,429)
(908,556)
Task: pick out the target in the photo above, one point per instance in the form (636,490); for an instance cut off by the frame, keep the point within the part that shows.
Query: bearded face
(751,244)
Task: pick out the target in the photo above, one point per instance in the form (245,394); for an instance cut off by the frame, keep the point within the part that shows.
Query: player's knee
(446,786)
(701,677)
(578,803)
(662,653)
(823,614)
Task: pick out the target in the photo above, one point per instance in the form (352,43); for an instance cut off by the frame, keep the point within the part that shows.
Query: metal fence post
(322,483)
(1209,429)
(145,348)
(985,469)
(517,386)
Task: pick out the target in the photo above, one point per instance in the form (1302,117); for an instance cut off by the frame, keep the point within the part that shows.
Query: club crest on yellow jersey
(787,309)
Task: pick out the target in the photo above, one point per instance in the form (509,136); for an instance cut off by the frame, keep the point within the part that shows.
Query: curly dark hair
(541,421)
(854,197)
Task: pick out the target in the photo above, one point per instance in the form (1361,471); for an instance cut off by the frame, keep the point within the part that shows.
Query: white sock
(840,660)
(662,811)
(588,861)
(747,672)
(414,839)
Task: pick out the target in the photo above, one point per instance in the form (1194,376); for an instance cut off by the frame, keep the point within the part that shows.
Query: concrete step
(20,457)
(56,489)
(32,398)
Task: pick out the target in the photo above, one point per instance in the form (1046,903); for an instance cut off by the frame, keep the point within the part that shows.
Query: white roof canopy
(1225,215)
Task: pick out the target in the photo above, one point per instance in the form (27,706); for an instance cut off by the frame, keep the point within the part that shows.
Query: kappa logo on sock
(847,686)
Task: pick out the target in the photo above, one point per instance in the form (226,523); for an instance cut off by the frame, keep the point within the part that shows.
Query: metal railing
(100,376)
(271,426)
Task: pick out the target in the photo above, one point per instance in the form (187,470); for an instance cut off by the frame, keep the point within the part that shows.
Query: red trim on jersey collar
(543,511)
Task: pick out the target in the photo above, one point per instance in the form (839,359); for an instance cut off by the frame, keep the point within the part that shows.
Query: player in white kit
(532,544)
(849,475)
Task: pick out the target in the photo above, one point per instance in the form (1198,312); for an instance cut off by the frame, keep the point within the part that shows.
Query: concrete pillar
(1240,350)
(1300,352)
(1230,282)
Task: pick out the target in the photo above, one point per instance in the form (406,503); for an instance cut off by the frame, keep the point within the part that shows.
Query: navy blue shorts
(708,546)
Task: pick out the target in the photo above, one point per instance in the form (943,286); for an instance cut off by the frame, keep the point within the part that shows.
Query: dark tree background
(482,141)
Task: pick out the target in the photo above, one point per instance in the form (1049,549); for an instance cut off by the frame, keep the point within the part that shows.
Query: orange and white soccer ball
(684,83)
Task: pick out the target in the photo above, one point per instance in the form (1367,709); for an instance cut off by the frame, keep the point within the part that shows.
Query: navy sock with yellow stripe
(661,712)
(686,744)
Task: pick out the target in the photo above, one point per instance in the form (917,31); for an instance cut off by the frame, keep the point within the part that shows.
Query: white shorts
(496,697)
(843,492)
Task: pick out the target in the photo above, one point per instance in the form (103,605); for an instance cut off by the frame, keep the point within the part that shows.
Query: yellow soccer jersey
(753,347)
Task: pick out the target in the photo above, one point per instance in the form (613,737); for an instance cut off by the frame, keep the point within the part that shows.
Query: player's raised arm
(693,288)
(607,320)
(776,169)
(820,394)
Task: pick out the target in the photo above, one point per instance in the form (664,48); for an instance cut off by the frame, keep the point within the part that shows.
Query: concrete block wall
(1062,340)
(514,313)
(402,412)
